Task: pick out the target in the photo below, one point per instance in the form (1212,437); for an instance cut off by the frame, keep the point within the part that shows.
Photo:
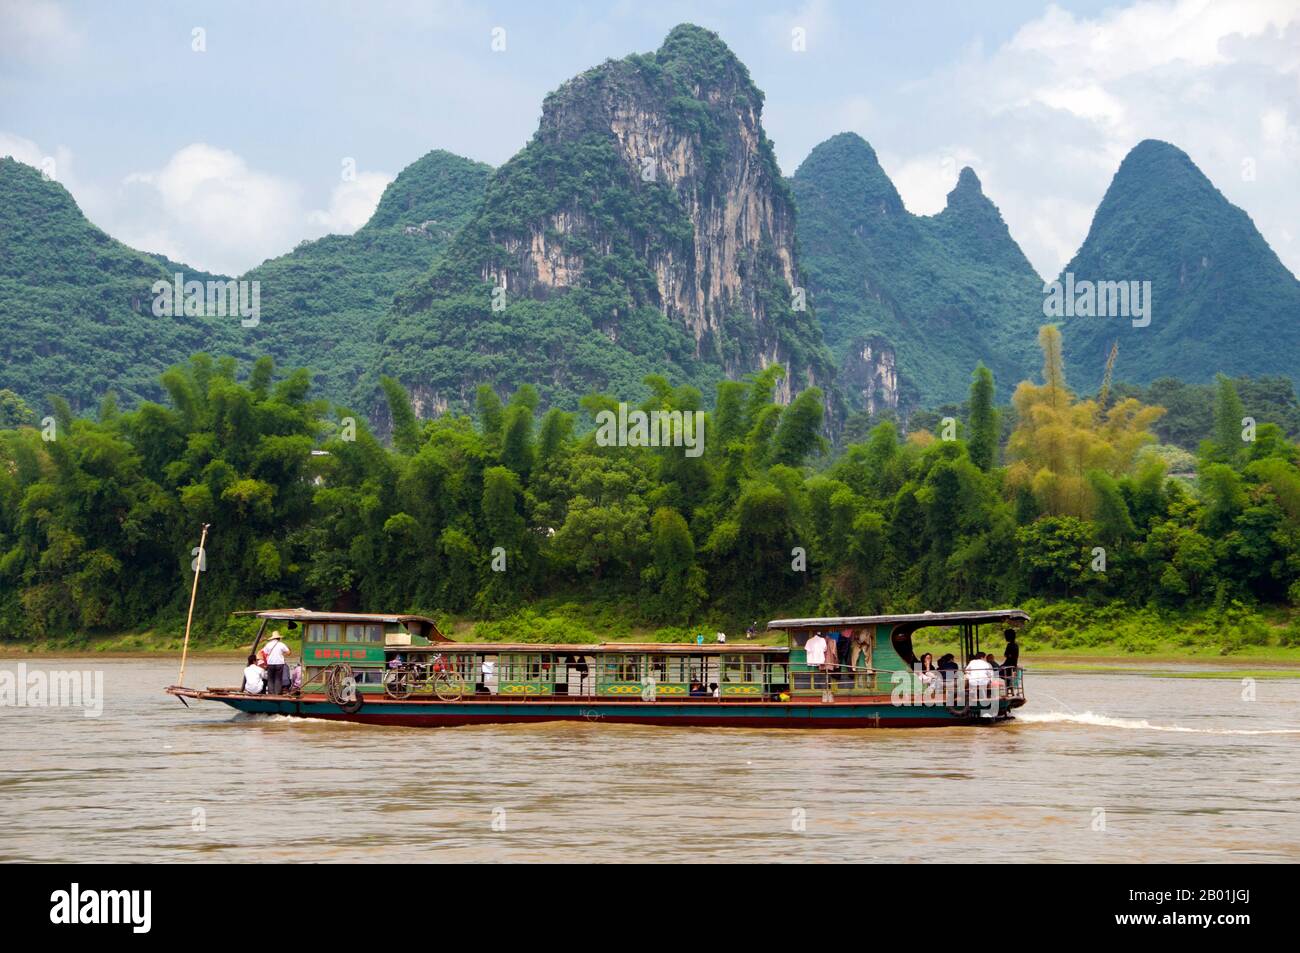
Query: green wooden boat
(401,670)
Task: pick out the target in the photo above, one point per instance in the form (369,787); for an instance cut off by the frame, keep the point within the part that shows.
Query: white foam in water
(1140,724)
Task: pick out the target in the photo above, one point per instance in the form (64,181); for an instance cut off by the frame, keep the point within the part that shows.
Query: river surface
(1109,767)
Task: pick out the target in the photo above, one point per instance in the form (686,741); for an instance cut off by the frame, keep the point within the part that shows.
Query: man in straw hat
(276,670)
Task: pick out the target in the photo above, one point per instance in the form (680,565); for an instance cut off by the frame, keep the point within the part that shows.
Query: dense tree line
(486,513)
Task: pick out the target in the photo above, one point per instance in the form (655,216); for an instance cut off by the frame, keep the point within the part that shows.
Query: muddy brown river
(1109,767)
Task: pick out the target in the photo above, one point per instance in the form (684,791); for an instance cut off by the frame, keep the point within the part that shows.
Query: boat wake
(1137,724)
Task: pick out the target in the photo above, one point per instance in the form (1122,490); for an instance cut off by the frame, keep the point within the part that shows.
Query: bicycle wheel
(398,684)
(449,687)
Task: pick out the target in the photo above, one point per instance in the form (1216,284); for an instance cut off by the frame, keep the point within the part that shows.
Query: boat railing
(760,680)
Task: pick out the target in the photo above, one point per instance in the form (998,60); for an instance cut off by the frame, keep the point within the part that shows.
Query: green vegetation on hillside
(1221,299)
(325,304)
(76,312)
(944,292)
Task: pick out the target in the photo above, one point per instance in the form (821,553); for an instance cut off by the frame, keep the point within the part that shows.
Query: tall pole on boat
(199,559)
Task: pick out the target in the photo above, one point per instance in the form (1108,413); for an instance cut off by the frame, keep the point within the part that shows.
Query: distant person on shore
(254,677)
(276,669)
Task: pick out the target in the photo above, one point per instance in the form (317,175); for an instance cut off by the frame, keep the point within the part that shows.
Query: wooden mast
(199,560)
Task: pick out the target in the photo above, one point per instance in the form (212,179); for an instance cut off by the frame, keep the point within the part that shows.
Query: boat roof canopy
(418,624)
(921,618)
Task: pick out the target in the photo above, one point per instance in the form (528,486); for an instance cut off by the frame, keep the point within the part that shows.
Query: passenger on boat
(1012,659)
(490,675)
(276,669)
(948,667)
(927,670)
(714,690)
(698,690)
(978,672)
(295,679)
(254,677)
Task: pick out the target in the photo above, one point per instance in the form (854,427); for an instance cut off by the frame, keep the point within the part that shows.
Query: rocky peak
(650,179)
(849,161)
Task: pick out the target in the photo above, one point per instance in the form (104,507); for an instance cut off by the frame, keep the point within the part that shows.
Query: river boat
(380,669)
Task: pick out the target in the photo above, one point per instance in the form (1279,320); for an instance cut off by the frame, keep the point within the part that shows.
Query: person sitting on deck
(295,679)
(698,690)
(947,667)
(927,670)
(978,671)
(254,677)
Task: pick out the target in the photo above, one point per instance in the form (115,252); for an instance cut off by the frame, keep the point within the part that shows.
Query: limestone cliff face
(650,183)
(741,219)
(869,375)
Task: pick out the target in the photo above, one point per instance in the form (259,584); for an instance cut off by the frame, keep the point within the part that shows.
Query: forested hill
(644,229)
(325,303)
(909,304)
(1221,298)
(76,314)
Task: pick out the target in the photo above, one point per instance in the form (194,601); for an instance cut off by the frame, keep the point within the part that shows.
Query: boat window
(315,632)
(622,668)
(356,633)
(526,668)
(375,633)
(333,632)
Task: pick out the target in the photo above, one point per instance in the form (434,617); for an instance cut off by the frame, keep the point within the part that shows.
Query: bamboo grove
(489,513)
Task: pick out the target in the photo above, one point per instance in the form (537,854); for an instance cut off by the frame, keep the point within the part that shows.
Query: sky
(222,134)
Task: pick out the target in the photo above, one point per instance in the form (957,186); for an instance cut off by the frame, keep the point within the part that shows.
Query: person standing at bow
(276,668)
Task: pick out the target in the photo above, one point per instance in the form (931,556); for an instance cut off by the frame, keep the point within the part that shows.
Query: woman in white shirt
(254,677)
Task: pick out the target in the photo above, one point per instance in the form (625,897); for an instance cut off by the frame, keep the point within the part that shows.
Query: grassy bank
(1067,636)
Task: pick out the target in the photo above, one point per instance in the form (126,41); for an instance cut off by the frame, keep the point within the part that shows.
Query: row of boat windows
(338,632)
(623,668)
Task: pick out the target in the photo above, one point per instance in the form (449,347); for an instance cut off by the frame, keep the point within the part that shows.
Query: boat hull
(705,713)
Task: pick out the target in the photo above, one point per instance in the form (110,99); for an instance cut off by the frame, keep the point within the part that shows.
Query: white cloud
(352,203)
(207,208)
(36,30)
(924,181)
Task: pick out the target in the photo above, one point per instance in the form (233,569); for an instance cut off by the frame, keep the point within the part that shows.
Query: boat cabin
(407,655)
(874,654)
